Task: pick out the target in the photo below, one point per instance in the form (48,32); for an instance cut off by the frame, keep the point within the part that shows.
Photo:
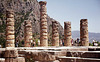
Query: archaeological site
(48,30)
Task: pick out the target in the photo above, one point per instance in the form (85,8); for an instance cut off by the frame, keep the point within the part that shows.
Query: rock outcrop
(24,10)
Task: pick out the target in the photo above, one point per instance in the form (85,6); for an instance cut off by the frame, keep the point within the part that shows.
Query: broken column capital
(42,2)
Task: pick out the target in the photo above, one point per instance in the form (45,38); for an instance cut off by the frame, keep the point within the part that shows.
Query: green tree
(2,41)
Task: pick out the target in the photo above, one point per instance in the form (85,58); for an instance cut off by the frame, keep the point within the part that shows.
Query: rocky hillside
(24,10)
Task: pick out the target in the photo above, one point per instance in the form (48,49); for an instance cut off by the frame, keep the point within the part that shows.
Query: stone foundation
(51,54)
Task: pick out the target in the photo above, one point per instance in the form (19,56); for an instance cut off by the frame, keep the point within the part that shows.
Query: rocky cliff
(24,10)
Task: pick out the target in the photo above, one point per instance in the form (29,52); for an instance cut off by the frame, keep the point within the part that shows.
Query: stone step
(74,48)
(18,59)
(21,55)
(76,59)
(84,54)
(91,48)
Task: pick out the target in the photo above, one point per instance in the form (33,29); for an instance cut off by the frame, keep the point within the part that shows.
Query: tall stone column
(27,33)
(55,33)
(43,24)
(84,32)
(67,34)
(10,37)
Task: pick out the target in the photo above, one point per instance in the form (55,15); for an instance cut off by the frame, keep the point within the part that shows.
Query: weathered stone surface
(11,52)
(84,32)
(67,34)
(43,24)
(10,37)
(77,59)
(10,41)
(10,20)
(28,33)
(46,54)
(18,59)
(10,29)
(10,45)
(55,33)
(10,32)
(43,56)
(58,53)
(84,54)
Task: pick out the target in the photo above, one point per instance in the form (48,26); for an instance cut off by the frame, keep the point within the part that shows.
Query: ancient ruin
(28,34)
(10,37)
(55,33)
(67,34)
(43,24)
(84,32)
(52,53)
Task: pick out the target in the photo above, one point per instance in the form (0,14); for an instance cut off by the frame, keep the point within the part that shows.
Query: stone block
(11,52)
(2,59)
(43,56)
(18,59)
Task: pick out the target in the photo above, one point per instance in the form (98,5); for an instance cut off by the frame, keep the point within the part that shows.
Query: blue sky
(74,11)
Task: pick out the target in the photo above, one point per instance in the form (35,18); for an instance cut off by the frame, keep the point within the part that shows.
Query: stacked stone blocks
(84,32)
(43,24)
(67,34)
(10,37)
(55,33)
(28,33)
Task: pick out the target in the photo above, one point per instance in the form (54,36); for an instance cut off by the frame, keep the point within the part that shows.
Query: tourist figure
(95,43)
(31,42)
(72,41)
(17,43)
(38,42)
(0,46)
(34,44)
(60,42)
(77,40)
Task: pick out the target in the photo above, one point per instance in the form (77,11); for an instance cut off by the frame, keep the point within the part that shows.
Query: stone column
(28,34)
(55,33)
(10,37)
(84,32)
(43,24)
(67,34)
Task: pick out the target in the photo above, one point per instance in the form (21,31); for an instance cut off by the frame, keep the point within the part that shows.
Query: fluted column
(27,34)
(67,34)
(43,24)
(55,33)
(10,37)
(84,32)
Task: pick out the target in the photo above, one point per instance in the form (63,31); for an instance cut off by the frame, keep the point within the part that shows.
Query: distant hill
(92,36)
